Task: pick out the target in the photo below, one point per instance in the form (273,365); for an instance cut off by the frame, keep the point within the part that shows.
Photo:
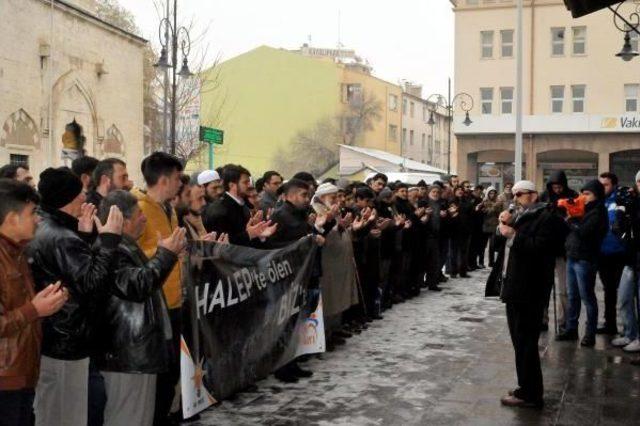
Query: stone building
(60,64)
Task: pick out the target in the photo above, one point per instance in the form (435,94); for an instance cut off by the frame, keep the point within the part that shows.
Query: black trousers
(167,381)
(460,254)
(524,321)
(432,262)
(16,407)
(610,270)
(97,396)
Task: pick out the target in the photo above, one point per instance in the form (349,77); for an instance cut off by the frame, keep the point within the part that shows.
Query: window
(423,140)
(579,40)
(557,99)
(404,136)
(412,109)
(506,42)
(411,137)
(393,102)
(577,94)
(19,160)
(486,100)
(506,100)
(404,107)
(486,40)
(557,41)
(352,93)
(393,133)
(425,116)
(631,97)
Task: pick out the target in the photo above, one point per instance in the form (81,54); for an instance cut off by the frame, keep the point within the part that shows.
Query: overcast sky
(402,39)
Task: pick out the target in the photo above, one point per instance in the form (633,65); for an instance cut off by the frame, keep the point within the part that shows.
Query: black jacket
(557,177)
(292,225)
(59,252)
(462,224)
(135,318)
(226,215)
(530,267)
(587,233)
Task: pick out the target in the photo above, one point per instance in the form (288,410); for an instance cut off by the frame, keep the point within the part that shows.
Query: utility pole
(519,94)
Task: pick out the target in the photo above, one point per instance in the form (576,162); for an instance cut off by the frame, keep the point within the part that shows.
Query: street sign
(211,135)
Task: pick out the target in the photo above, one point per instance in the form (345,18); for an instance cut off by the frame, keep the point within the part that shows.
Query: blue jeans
(626,302)
(581,283)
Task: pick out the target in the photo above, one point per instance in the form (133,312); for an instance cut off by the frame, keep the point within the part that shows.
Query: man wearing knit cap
(60,252)
(527,278)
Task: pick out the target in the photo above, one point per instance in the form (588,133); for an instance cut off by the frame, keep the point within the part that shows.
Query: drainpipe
(51,142)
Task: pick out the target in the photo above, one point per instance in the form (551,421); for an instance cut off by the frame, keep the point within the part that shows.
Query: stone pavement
(442,359)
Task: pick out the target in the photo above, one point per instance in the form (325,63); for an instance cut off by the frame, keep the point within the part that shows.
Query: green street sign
(211,135)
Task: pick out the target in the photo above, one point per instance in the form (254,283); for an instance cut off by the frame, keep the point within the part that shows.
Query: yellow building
(289,110)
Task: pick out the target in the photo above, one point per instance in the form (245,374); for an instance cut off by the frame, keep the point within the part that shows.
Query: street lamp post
(464,101)
(178,38)
(626,25)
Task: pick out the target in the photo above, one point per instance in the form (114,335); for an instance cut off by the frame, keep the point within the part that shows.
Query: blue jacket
(612,244)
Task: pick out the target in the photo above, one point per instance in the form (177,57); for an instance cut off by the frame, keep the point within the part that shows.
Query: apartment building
(580,101)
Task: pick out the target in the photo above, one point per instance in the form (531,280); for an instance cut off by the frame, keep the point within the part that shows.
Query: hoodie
(557,177)
(585,239)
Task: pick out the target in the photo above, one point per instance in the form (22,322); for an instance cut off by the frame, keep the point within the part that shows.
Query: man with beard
(460,210)
(432,249)
(212,185)
(230,214)
(110,174)
(408,287)
(291,220)
(271,182)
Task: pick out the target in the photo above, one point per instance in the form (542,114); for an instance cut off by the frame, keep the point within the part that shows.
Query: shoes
(377,317)
(285,375)
(544,327)
(343,333)
(443,279)
(338,341)
(514,401)
(588,340)
(397,299)
(465,276)
(453,275)
(299,372)
(434,288)
(633,346)
(612,331)
(619,342)
(567,335)
(481,266)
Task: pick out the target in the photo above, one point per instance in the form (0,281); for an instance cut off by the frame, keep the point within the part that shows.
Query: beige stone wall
(82,69)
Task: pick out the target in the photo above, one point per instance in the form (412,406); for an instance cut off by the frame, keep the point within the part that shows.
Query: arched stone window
(113,141)
(20,129)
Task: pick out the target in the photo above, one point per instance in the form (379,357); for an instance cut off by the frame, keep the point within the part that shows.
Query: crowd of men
(92,288)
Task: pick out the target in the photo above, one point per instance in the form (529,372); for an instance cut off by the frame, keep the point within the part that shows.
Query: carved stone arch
(73,99)
(113,141)
(20,129)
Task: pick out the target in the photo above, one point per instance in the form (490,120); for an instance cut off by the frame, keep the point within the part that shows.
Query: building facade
(424,140)
(289,110)
(580,102)
(60,64)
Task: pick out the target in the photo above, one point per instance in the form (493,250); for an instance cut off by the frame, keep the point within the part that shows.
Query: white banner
(311,338)
(195,396)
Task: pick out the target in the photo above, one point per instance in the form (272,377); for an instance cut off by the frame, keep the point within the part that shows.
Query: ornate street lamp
(173,38)
(463,101)
(626,25)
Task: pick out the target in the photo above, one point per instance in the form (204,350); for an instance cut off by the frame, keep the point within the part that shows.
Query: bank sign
(555,123)
(621,123)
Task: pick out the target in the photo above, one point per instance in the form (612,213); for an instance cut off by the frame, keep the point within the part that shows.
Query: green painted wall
(267,96)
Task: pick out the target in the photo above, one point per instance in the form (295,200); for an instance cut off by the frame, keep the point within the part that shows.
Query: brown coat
(20,333)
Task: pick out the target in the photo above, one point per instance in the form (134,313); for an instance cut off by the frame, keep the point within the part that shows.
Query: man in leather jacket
(60,252)
(135,322)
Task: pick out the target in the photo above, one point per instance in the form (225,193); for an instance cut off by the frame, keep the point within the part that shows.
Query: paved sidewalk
(442,359)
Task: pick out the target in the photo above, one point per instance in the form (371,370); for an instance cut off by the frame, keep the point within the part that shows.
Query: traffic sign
(211,135)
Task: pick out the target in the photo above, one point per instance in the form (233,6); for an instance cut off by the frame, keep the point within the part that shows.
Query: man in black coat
(558,189)
(527,280)
(135,321)
(230,214)
(61,251)
(292,221)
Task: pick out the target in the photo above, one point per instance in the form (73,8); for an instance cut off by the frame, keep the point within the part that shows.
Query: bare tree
(315,149)
(206,80)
